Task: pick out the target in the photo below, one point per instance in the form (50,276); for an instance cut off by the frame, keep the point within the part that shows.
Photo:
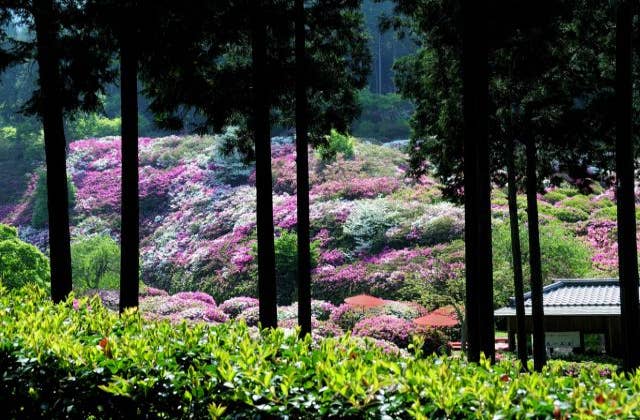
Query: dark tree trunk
(55,149)
(130,242)
(516,254)
(479,278)
(627,247)
(302,176)
(537,309)
(264,199)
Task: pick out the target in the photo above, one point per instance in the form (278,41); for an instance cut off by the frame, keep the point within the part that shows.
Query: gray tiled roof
(574,297)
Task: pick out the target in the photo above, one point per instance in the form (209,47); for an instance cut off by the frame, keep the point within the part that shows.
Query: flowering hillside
(374,230)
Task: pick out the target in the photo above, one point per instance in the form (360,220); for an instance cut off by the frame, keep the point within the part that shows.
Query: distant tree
(68,80)
(302,173)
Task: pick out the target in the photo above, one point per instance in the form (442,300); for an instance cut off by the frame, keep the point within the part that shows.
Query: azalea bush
(83,361)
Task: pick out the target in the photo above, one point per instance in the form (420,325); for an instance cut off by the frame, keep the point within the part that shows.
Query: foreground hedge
(81,361)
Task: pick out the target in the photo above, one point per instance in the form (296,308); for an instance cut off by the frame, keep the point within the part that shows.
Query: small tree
(95,263)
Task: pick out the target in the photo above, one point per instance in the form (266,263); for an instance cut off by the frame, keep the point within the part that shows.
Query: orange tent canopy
(365,301)
(436,320)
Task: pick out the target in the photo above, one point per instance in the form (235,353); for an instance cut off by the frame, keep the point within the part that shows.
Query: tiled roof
(574,297)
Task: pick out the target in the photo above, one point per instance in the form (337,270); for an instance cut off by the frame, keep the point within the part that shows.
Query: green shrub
(570,214)
(579,202)
(40,215)
(83,361)
(286,249)
(607,213)
(554,196)
(20,262)
(95,263)
(336,143)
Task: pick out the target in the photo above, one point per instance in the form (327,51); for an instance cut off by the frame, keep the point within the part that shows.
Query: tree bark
(264,200)
(130,241)
(537,309)
(516,254)
(478,263)
(627,246)
(55,146)
(302,175)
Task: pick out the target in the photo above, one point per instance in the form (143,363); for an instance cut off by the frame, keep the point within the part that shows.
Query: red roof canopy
(365,301)
(436,320)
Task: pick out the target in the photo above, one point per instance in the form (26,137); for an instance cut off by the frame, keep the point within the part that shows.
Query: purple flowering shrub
(235,306)
(386,327)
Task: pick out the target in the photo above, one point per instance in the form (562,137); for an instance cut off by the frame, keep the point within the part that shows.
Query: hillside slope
(374,230)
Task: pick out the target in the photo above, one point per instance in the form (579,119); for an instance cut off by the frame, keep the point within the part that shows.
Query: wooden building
(575,311)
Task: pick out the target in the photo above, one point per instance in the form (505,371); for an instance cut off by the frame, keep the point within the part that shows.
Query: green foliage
(88,125)
(579,202)
(336,144)
(40,216)
(95,263)
(383,116)
(554,196)
(286,249)
(83,361)
(563,256)
(20,262)
(570,214)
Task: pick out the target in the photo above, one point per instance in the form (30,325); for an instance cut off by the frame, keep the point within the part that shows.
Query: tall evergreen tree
(71,73)
(264,199)
(47,28)
(302,172)
(477,189)
(537,309)
(625,160)
(129,239)
(516,254)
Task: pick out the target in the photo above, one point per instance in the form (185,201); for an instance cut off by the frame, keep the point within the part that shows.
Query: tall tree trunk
(516,254)
(478,264)
(55,149)
(379,62)
(627,247)
(537,309)
(264,199)
(302,176)
(130,242)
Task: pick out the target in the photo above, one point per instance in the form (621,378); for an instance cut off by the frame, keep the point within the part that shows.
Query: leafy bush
(336,144)
(83,361)
(95,263)
(570,214)
(40,216)
(554,196)
(579,202)
(20,262)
